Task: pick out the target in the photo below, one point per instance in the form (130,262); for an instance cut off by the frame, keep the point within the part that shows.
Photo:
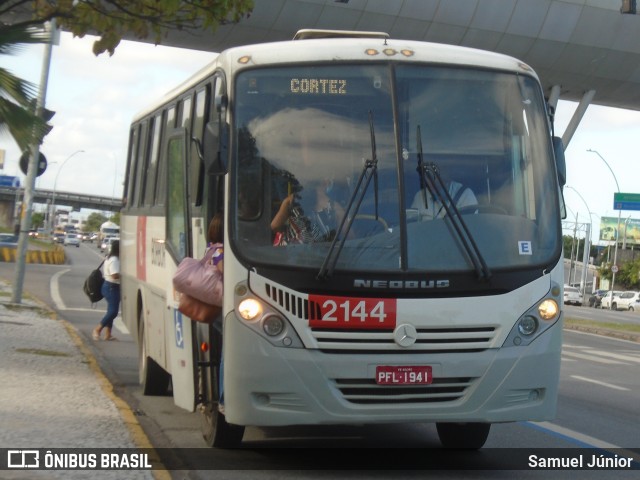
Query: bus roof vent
(310,33)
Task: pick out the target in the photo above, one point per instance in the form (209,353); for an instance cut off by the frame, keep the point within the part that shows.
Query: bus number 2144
(350,312)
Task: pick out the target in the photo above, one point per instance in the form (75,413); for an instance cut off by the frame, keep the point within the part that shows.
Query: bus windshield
(385,150)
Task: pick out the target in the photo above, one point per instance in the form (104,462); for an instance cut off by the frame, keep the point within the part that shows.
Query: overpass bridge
(10,196)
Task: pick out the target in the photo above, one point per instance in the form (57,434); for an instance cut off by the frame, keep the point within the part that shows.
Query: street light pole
(55,184)
(587,245)
(30,181)
(615,250)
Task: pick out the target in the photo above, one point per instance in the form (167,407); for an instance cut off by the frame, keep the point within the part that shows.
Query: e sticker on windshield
(524,248)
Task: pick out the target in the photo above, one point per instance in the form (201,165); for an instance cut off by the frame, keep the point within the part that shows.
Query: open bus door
(180,337)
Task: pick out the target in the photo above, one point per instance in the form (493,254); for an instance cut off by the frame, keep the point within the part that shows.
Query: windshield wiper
(369,171)
(431,180)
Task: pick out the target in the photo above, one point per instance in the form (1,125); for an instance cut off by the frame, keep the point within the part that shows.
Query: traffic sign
(614,268)
(24,163)
(626,201)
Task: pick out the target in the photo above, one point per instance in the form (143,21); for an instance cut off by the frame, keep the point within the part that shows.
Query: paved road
(599,394)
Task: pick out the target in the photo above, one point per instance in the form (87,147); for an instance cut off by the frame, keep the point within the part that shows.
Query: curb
(138,436)
(55,256)
(607,332)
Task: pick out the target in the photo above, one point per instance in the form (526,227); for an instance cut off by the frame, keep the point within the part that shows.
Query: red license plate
(352,312)
(403,375)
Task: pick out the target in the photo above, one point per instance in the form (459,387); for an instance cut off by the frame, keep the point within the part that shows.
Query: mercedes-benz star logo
(405,335)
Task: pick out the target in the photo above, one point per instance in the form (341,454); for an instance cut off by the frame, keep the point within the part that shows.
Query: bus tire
(470,436)
(153,378)
(216,431)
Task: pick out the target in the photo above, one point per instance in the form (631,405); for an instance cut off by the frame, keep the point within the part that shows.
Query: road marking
(592,358)
(627,358)
(55,289)
(120,326)
(602,384)
(573,435)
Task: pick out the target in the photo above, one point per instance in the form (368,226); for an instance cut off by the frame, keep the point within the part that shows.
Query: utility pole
(25,224)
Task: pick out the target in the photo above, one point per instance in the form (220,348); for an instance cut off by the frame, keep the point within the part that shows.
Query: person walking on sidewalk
(110,291)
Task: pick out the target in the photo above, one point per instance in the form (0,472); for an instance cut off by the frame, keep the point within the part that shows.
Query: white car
(572,295)
(606,301)
(71,239)
(626,301)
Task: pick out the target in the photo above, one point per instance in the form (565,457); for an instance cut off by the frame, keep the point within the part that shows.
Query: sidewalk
(54,395)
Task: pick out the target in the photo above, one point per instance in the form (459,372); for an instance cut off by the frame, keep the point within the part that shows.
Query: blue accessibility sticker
(179,332)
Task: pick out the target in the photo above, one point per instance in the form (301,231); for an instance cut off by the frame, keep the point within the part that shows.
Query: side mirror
(561,165)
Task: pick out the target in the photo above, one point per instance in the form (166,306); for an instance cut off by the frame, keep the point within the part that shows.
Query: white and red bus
(386,317)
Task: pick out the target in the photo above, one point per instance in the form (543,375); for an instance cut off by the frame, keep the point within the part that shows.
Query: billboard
(629,230)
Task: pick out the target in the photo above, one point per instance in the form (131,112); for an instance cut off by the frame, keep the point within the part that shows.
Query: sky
(95,99)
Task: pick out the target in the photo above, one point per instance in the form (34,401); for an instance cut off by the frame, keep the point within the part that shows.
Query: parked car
(626,301)
(596,298)
(8,240)
(71,239)
(606,299)
(572,295)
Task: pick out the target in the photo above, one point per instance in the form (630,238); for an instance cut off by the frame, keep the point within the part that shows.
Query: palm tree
(17,96)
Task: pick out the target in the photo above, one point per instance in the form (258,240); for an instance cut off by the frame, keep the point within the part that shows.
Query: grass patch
(621,327)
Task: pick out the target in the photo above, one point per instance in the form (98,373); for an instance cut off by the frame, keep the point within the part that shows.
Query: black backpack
(93,285)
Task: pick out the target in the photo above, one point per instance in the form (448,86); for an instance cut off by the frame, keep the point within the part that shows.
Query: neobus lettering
(329,86)
(401,283)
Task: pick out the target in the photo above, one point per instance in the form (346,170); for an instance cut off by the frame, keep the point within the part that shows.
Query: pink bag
(200,278)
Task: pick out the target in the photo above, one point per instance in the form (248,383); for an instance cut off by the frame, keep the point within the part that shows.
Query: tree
(629,274)
(112,20)
(37,220)
(18,97)
(94,220)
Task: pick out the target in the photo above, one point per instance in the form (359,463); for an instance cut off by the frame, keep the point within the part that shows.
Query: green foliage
(18,115)
(94,220)
(627,278)
(568,244)
(113,20)
(629,275)
(37,220)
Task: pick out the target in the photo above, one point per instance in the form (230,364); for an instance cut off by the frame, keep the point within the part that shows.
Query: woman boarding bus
(353,307)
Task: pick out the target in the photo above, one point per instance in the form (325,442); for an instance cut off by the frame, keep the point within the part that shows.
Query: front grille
(366,391)
(430,339)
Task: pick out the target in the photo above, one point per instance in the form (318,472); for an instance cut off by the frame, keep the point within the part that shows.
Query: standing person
(110,291)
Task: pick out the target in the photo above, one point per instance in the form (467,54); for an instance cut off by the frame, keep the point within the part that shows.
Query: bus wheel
(153,378)
(216,431)
(463,435)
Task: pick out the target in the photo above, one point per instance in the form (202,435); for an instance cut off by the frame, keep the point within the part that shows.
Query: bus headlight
(263,318)
(273,325)
(536,320)
(249,309)
(548,309)
(527,325)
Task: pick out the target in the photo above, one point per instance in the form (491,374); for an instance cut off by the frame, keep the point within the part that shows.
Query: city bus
(383,316)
